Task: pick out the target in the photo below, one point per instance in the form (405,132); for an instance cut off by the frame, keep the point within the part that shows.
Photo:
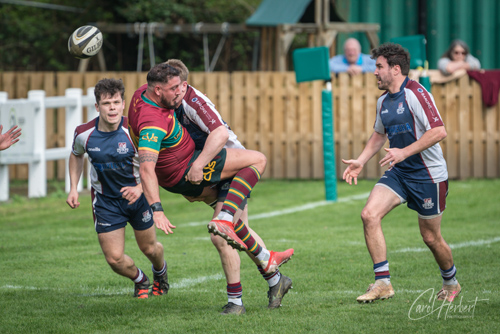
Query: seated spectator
(352,61)
(458,57)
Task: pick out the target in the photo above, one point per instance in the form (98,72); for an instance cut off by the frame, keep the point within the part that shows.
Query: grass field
(54,278)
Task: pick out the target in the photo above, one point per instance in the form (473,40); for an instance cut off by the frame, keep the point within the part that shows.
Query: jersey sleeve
(379,126)
(422,104)
(150,138)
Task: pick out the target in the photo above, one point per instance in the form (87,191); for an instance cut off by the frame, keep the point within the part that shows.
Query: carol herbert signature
(425,306)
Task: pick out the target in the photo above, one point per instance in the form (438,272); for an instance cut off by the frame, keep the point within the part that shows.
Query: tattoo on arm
(145,157)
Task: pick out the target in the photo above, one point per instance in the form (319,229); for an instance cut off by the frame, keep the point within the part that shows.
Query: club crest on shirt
(122,148)
(146,216)
(400,109)
(428,204)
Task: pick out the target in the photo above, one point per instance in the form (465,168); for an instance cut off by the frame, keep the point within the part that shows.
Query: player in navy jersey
(210,133)
(117,196)
(417,174)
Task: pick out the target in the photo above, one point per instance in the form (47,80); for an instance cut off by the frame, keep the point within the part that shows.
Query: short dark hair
(395,55)
(162,73)
(109,87)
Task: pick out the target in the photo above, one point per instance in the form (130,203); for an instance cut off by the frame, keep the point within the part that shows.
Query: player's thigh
(237,159)
(146,238)
(113,243)
(380,202)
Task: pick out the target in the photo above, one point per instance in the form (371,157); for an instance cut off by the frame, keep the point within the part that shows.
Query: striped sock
(240,187)
(381,270)
(234,293)
(244,234)
(139,277)
(272,279)
(160,272)
(449,276)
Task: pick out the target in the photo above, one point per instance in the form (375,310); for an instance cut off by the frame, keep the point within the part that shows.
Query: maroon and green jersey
(157,130)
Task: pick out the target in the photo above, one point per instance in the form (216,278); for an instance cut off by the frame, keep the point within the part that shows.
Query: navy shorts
(428,199)
(113,213)
(211,175)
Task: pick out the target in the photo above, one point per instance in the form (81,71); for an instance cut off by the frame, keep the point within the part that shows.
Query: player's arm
(428,139)
(374,144)
(75,171)
(214,144)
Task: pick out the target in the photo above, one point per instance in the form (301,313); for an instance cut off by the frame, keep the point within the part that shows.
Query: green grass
(54,278)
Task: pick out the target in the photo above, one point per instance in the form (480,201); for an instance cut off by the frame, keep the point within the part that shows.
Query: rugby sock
(139,277)
(244,234)
(239,189)
(160,272)
(449,276)
(381,270)
(272,279)
(234,293)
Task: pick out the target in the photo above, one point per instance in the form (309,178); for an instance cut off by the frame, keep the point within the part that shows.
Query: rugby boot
(275,260)
(277,292)
(225,229)
(449,292)
(377,290)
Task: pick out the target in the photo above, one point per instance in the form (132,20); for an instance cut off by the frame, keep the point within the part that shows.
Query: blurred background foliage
(34,35)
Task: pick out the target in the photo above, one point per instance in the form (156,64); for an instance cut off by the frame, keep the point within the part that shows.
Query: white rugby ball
(85,42)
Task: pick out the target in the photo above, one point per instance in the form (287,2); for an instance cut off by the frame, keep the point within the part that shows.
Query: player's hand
(162,222)
(72,199)
(194,175)
(131,194)
(393,156)
(9,138)
(352,171)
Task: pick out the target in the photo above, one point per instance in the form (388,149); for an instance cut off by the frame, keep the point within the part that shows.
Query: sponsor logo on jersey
(153,138)
(420,90)
(428,204)
(94,149)
(122,148)
(399,129)
(194,99)
(146,216)
(385,111)
(400,109)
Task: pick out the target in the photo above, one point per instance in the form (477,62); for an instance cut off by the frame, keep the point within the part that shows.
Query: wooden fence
(271,113)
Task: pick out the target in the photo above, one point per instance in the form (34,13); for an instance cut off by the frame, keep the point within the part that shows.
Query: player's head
(165,83)
(179,65)
(184,73)
(109,87)
(395,55)
(458,50)
(392,65)
(352,50)
(110,103)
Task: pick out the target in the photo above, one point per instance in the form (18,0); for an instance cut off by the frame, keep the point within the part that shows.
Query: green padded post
(329,145)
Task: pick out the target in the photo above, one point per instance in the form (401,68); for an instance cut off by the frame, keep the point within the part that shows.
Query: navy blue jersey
(113,157)
(404,117)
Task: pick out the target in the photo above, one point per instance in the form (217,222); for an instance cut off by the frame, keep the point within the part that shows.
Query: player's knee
(431,240)
(368,217)
(260,162)
(115,261)
(150,249)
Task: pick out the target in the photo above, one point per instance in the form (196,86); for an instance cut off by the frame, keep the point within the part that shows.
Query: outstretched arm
(149,181)
(374,144)
(10,137)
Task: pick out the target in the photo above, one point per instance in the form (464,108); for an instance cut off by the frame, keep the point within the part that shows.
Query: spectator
(352,61)
(458,57)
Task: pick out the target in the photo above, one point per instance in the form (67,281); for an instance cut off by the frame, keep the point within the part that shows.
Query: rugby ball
(85,42)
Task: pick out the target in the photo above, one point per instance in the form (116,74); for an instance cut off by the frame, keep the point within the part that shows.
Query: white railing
(29,114)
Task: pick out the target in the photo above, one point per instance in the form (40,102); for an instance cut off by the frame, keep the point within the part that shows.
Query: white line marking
(294,209)
(452,246)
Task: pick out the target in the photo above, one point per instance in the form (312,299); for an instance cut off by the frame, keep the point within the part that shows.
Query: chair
(415,44)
